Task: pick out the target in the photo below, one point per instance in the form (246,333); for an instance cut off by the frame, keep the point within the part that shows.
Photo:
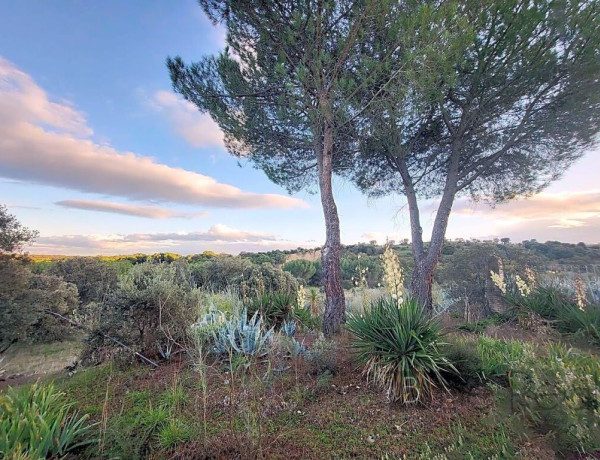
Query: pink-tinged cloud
(44,142)
(151,212)
(198,129)
(219,238)
(569,209)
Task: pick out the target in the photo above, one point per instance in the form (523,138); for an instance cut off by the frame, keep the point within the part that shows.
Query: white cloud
(152,212)
(48,143)
(198,129)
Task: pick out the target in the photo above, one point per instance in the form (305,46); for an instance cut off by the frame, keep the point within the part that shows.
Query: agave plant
(288,328)
(242,336)
(37,422)
(400,348)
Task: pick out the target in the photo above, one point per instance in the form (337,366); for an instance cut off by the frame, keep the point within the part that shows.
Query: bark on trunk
(422,283)
(426,260)
(332,280)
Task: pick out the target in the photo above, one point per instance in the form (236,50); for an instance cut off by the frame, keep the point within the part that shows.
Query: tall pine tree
(289,90)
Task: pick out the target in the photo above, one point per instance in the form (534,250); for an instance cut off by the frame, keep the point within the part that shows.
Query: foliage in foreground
(559,394)
(37,422)
(554,390)
(400,348)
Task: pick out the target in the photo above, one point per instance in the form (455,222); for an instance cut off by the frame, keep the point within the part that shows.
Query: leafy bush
(301,268)
(248,279)
(24,297)
(548,302)
(277,308)
(37,422)
(94,278)
(151,310)
(467,361)
(559,393)
(273,308)
(400,348)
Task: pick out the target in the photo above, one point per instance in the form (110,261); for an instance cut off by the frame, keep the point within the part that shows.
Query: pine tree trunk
(332,279)
(421,285)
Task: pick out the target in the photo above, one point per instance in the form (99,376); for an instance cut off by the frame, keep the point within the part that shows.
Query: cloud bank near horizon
(219,237)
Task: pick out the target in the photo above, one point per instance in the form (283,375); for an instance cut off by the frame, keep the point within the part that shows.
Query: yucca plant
(274,308)
(37,422)
(401,349)
(573,320)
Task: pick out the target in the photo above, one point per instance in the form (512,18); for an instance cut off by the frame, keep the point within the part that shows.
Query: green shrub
(560,394)
(279,307)
(498,356)
(557,306)
(400,348)
(483,358)
(273,308)
(37,422)
(548,302)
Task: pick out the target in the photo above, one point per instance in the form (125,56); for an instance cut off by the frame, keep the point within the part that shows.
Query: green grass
(479,326)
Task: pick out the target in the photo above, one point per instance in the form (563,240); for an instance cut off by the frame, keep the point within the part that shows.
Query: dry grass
(39,359)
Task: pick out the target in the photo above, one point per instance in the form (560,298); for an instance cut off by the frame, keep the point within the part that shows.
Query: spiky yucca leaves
(400,348)
(37,422)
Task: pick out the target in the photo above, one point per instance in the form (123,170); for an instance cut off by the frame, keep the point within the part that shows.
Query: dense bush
(220,273)
(400,348)
(248,279)
(322,356)
(584,322)
(24,298)
(94,278)
(151,310)
(278,308)
(37,422)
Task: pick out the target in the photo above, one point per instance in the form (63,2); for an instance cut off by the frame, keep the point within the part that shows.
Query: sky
(100,156)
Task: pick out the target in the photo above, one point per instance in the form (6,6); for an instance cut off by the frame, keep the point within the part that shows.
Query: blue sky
(100,156)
